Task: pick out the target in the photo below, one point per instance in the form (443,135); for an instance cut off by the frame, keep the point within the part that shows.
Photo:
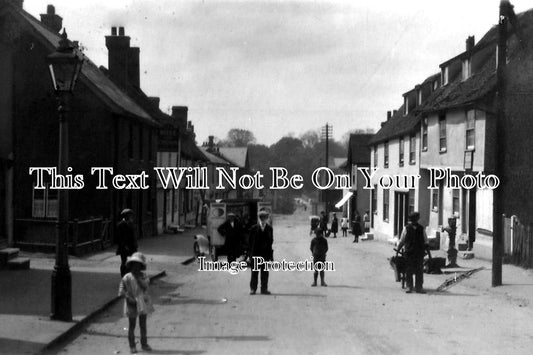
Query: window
(412,149)
(425,134)
(435,85)
(385,205)
(375,199)
(435,200)
(386,155)
(419,96)
(411,207)
(130,141)
(470,130)
(444,76)
(455,202)
(405,105)
(401,151)
(376,155)
(467,68)
(45,203)
(442,133)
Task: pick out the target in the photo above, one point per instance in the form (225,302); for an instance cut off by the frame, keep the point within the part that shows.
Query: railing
(84,235)
(518,242)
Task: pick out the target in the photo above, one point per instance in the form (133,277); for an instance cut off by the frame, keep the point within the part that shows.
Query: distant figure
(334,225)
(125,239)
(323,222)
(366,220)
(261,240)
(356,228)
(137,302)
(344,226)
(232,231)
(319,248)
(415,241)
(315,221)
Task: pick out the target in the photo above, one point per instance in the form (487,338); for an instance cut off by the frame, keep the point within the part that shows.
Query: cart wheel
(214,254)
(196,249)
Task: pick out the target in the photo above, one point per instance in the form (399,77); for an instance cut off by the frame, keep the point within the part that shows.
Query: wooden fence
(518,242)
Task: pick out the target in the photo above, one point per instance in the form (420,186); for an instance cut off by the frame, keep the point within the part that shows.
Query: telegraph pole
(326,134)
(499,146)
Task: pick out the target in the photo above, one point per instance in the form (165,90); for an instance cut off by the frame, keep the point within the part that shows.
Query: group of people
(357,230)
(259,245)
(134,283)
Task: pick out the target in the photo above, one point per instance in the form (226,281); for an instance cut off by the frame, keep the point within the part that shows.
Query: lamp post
(65,66)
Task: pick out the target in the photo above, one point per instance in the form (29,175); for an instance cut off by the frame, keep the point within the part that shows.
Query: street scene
(289,177)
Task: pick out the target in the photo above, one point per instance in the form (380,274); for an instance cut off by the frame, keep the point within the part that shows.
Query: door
(401,211)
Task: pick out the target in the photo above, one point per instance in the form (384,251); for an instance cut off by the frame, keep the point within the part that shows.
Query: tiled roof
(398,125)
(213,158)
(358,149)
(236,155)
(118,101)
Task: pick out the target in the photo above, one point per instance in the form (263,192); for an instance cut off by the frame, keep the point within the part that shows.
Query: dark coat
(125,239)
(324,222)
(334,225)
(233,236)
(319,248)
(261,242)
(414,241)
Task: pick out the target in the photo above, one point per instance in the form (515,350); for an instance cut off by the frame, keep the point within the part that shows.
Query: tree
(310,138)
(239,138)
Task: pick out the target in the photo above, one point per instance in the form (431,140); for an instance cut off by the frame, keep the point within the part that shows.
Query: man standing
(415,241)
(125,239)
(232,232)
(324,223)
(261,240)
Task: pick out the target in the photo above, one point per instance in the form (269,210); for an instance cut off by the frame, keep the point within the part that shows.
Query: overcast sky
(280,67)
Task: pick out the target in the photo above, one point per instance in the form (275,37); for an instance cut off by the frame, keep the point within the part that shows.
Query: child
(319,248)
(344,226)
(137,303)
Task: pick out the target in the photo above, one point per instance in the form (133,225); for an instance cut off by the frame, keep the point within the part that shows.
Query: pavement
(362,311)
(25,324)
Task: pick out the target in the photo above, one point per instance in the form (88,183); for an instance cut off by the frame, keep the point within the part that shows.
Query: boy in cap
(319,248)
(137,303)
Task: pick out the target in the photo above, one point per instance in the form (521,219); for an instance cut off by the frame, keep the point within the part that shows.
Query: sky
(281,68)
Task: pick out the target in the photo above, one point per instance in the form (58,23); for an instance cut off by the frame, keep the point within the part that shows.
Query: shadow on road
(342,286)
(207,337)
(298,294)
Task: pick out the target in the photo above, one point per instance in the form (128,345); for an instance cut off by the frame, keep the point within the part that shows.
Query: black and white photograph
(192,177)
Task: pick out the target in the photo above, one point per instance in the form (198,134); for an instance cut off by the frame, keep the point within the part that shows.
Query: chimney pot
(394,112)
(51,20)
(389,115)
(121,31)
(470,42)
(113,31)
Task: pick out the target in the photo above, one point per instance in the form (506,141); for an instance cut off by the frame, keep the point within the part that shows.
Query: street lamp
(65,66)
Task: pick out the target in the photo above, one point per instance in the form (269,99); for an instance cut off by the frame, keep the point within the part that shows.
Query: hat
(126,212)
(414,217)
(262,213)
(231,214)
(137,257)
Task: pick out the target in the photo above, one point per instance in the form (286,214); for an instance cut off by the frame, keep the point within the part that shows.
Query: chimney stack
(211,144)
(389,114)
(123,60)
(179,113)
(154,101)
(51,19)
(470,42)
